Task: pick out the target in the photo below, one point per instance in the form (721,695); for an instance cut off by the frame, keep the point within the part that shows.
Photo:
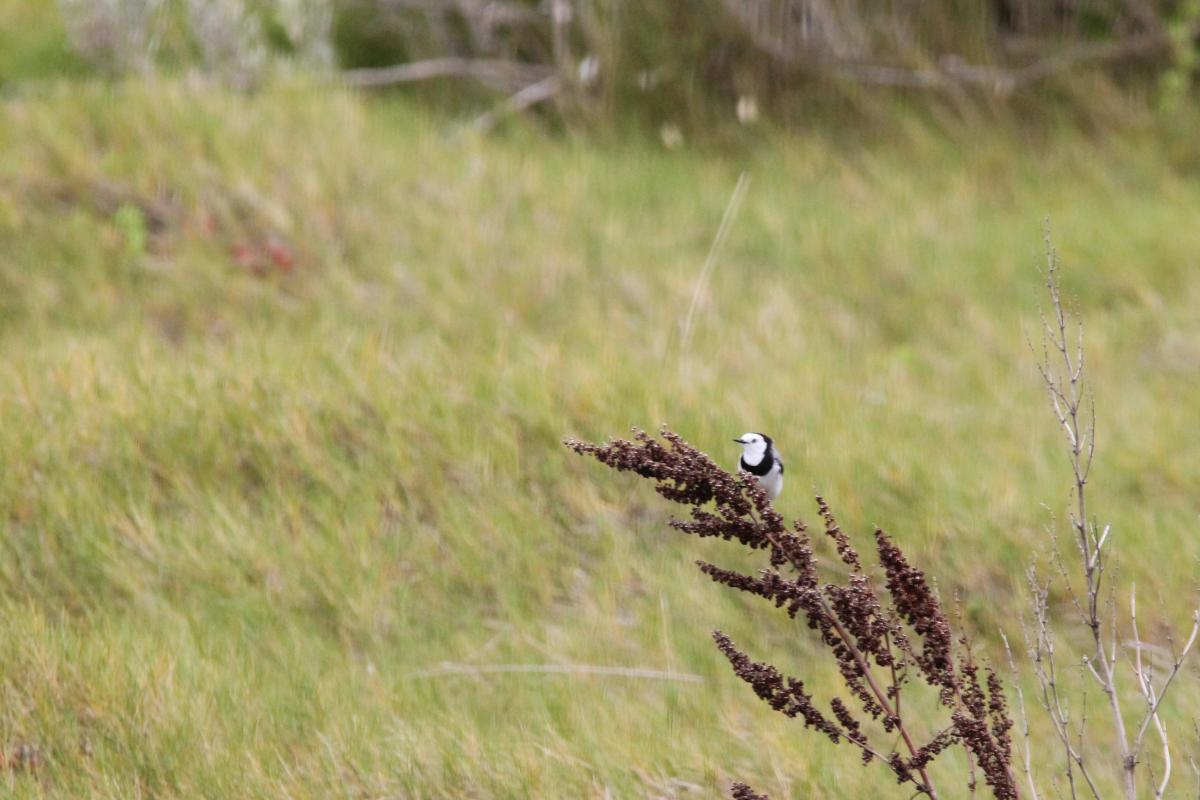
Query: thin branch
(1065,385)
(710,260)
(497,73)
(1145,683)
(953,73)
(1051,700)
(525,98)
(894,691)
(1026,746)
(1154,697)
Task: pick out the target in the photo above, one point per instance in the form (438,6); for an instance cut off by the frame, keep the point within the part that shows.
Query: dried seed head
(785,695)
(873,643)
(741,791)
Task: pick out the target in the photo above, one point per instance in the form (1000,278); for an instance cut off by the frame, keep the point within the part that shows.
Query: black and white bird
(760,460)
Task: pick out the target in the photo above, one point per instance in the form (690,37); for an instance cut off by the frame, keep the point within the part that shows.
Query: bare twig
(1026,743)
(1146,685)
(1153,696)
(710,260)
(1176,666)
(1062,372)
(496,73)
(1061,365)
(527,97)
(1044,667)
(952,72)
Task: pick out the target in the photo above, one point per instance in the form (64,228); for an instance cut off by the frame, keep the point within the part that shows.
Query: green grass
(245,498)
(33,44)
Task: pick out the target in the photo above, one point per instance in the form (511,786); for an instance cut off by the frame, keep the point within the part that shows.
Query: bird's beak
(740,441)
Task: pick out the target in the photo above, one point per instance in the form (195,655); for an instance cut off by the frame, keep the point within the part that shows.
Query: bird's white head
(754,447)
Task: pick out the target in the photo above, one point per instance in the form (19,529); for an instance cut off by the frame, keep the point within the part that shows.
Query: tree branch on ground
(498,74)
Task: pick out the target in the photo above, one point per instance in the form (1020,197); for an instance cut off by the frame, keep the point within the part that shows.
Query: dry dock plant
(1132,676)
(886,645)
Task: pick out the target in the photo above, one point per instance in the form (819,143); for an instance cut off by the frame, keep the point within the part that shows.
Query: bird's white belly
(772,483)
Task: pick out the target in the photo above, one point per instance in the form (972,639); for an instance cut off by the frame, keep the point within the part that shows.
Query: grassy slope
(242,504)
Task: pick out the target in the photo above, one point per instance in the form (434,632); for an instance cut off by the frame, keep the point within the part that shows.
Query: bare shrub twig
(1061,365)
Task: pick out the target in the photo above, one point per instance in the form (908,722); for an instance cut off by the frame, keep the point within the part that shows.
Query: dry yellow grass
(283,379)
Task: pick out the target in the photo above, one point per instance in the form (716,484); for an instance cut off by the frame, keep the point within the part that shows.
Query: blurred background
(694,66)
(298,300)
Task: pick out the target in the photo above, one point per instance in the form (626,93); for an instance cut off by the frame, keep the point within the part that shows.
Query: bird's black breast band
(762,467)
